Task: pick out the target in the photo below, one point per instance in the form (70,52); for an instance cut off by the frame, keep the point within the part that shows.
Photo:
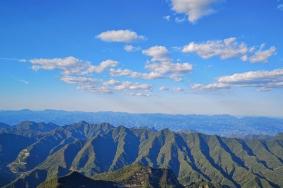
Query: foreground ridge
(130,176)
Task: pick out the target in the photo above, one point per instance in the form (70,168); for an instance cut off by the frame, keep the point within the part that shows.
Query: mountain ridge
(192,157)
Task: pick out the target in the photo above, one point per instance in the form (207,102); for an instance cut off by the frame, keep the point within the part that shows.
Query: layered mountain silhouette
(225,125)
(101,153)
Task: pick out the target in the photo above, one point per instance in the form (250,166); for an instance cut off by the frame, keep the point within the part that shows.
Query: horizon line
(141,113)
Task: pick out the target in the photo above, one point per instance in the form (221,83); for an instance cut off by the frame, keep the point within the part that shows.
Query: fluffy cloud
(159,66)
(229,48)
(104,65)
(262,55)
(157,53)
(194,9)
(173,70)
(71,65)
(264,80)
(119,36)
(226,48)
(55,63)
(75,71)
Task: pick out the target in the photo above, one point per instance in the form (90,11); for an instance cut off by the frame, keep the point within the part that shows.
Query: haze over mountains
(225,125)
(39,154)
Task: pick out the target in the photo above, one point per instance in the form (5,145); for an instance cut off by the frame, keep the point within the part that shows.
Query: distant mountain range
(46,155)
(224,125)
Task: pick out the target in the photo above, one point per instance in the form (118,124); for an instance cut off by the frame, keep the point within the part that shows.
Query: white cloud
(119,36)
(194,9)
(229,48)
(172,70)
(169,67)
(226,48)
(131,48)
(71,65)
(262,55)
(157,53)
(55,63)
(76,71)
(104,65)
(264,80)
(159,66)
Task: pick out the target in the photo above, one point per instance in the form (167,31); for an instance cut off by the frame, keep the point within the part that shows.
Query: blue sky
(169,56)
